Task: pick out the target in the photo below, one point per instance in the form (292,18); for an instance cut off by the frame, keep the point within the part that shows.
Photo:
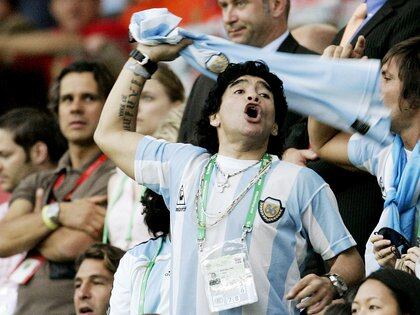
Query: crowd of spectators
(123,191)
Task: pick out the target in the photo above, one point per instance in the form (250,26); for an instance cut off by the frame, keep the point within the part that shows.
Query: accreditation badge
(228,277)
(27,269)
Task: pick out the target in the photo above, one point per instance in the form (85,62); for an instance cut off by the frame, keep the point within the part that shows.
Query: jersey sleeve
(158,162)
(321,220)
(364,153)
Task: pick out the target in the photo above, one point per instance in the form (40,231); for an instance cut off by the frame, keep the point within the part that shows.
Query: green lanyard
(149,268)
(204,188)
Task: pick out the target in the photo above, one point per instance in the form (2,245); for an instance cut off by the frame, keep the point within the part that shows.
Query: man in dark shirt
(71,214)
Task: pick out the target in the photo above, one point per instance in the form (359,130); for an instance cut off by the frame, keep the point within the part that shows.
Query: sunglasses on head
(397,240)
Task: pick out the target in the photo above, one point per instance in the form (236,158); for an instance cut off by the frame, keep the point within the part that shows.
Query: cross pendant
(221,186)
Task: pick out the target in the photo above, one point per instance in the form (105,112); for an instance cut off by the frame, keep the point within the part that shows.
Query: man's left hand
(315,291)
(299,157)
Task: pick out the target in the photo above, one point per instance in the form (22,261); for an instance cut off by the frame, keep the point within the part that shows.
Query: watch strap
(50,216)
(338,283)
(144,61)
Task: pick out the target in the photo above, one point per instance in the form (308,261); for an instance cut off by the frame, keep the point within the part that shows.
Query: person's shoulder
(294,176)
(188,148)
(291,45)
(28,186)
(40,177)
(287,167)
(146,250)
(298,175)
(108,166)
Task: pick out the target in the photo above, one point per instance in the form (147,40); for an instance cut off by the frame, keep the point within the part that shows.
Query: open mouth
(253,112)
(85,310)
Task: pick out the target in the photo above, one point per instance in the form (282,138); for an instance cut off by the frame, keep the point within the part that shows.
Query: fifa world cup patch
(270,209)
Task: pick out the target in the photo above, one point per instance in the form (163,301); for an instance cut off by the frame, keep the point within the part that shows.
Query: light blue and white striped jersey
(368,155)
(125,296)
(307,212)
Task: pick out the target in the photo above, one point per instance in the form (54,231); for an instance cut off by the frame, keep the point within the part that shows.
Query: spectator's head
(30,141)
(246,101)
(159,96)
(254,22)
(77,96)
(74,15)
(156,214)
(388,291)
(401,83)
(94,278)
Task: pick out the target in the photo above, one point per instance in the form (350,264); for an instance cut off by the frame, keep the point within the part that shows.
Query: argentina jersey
(130,275)
(296,210)
(370,156)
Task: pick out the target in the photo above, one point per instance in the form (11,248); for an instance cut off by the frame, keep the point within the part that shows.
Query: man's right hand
(347,51)
(163,52)
(84,214)
(383,250)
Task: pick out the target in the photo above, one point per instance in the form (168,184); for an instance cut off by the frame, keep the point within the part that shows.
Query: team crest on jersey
(270,209)
(180,205)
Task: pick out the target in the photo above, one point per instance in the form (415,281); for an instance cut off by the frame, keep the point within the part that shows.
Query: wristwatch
(144,61)
(51,212)
(338,282)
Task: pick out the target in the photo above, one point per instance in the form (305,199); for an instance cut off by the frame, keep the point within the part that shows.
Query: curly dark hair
(207,135)
(156,214)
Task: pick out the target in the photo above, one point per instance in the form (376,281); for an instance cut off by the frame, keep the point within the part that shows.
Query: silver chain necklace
(233,204)
(221,185)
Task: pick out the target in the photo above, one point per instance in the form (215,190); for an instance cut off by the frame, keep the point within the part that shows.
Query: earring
(275,130)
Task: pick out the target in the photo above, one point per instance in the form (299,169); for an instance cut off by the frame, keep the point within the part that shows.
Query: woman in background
(388,291)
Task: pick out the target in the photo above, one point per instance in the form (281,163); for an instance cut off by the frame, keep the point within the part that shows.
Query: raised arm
(115,134)
(39,43)
(329,143)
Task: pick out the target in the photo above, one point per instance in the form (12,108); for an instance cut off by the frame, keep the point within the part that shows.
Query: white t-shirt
(8,289)
(307,212)
(124,217)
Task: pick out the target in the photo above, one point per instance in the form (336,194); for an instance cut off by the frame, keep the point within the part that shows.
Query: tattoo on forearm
(128,105)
